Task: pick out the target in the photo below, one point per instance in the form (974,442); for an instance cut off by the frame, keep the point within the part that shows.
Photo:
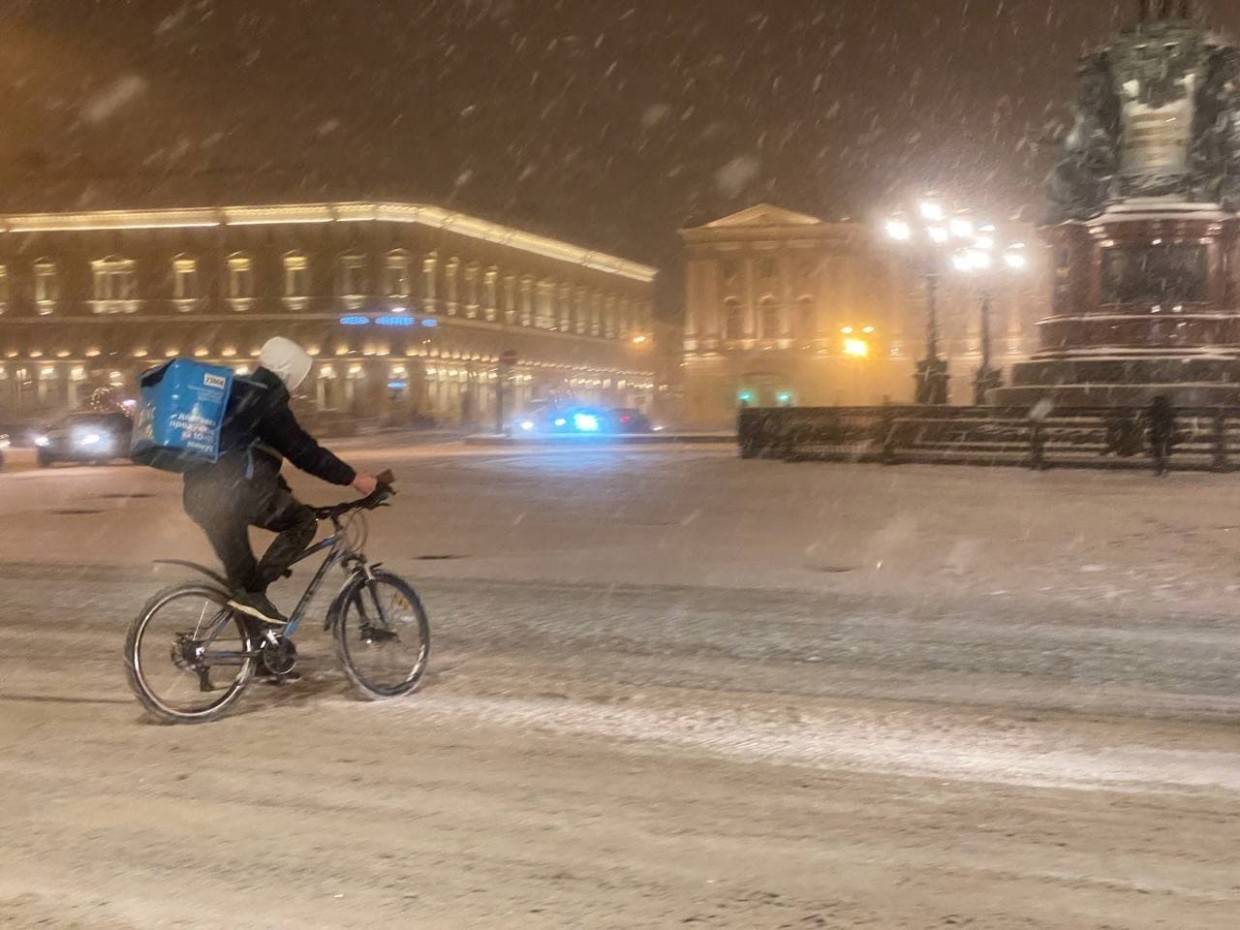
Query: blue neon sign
(354,320)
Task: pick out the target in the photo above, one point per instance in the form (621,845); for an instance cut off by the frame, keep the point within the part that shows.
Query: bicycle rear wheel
(188,656)
(383,637)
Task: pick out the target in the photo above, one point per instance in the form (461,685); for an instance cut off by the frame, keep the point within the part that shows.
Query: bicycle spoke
(171,667)
(383,637)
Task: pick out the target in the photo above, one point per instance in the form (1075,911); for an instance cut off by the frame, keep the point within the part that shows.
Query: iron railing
(1206,438)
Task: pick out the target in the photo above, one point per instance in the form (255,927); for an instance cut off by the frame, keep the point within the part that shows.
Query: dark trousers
(226,511)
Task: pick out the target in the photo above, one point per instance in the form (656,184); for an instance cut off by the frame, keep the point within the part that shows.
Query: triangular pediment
(764,214)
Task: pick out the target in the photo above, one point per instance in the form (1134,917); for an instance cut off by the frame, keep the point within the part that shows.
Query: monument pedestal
(1144,305)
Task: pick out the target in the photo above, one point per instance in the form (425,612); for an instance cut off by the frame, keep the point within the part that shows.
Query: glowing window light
(856,348)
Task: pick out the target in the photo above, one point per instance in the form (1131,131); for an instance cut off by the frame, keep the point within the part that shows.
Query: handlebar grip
(386,477)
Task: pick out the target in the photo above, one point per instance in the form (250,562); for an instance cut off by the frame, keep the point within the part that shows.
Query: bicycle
(376,617)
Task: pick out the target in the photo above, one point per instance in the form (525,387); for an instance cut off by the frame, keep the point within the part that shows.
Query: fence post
(1220,440)
(1037,447)
(887,423)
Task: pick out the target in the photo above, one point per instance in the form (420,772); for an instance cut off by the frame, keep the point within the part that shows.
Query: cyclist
(244,488)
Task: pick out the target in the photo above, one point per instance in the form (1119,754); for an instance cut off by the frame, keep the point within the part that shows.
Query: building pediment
(764,214)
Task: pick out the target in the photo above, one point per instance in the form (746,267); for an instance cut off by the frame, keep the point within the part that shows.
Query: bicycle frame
(338,552)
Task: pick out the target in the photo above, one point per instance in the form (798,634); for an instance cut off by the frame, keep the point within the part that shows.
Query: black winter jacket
(260,431)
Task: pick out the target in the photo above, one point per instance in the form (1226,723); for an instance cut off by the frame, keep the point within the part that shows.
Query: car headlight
(560,421)
(90,439)
(5,442)
(527,425)
(42,442)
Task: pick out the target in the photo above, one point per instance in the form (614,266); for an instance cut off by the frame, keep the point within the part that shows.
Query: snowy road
(668,688)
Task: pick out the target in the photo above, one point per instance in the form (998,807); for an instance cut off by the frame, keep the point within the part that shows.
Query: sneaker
(256,604)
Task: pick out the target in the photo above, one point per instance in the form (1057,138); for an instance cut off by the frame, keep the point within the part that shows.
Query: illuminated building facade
(406,307)
(784,309)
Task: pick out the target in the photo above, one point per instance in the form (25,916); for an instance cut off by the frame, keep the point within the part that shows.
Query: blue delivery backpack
(180,413)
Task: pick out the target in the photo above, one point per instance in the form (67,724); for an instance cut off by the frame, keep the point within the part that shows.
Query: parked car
(630,420)
(94,438)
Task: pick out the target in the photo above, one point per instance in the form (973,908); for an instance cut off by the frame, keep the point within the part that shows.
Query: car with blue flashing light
(91,438)
(581,421)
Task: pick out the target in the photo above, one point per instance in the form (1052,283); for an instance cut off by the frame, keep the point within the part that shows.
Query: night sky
(609,122)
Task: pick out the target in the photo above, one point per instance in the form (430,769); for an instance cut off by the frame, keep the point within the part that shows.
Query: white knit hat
(286,360)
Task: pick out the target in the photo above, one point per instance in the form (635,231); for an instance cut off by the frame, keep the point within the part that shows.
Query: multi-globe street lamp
(971,246)
(980,261)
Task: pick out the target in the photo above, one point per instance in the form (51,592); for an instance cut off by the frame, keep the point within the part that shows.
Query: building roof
(344,212)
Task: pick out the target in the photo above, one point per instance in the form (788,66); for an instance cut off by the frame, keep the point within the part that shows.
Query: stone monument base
(1200,378)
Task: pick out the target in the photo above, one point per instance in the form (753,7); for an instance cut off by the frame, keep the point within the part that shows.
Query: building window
(731,270)
(184,279)
(471,290)
(566,308)
(544,307)
(490,293)
(396,274)
(609,318)
(296,277)
(581,315)
(527,301)
(766,269)
(46,285)
(115,285)
(4,288)
(240,278)
(733,320)
(626,322)
(353,275)
(596,314)
(510,299)
(451,284)
(769,316)
(807,318)
(429,273)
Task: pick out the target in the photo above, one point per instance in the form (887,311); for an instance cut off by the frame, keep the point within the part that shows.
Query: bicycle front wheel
(383,637)
(188,656)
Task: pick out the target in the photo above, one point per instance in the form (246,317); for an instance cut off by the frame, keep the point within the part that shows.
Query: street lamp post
(931,378)
(970,245)
(979,260)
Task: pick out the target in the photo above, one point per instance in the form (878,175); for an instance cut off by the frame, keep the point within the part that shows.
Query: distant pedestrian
(1161,426)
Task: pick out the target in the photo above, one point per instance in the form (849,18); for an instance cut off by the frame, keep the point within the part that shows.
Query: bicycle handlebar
(371,501)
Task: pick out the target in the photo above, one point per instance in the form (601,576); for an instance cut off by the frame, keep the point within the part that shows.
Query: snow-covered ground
(668,688)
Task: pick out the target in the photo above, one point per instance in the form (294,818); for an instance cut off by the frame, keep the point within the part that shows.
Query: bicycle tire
(344,627)
(145,694)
